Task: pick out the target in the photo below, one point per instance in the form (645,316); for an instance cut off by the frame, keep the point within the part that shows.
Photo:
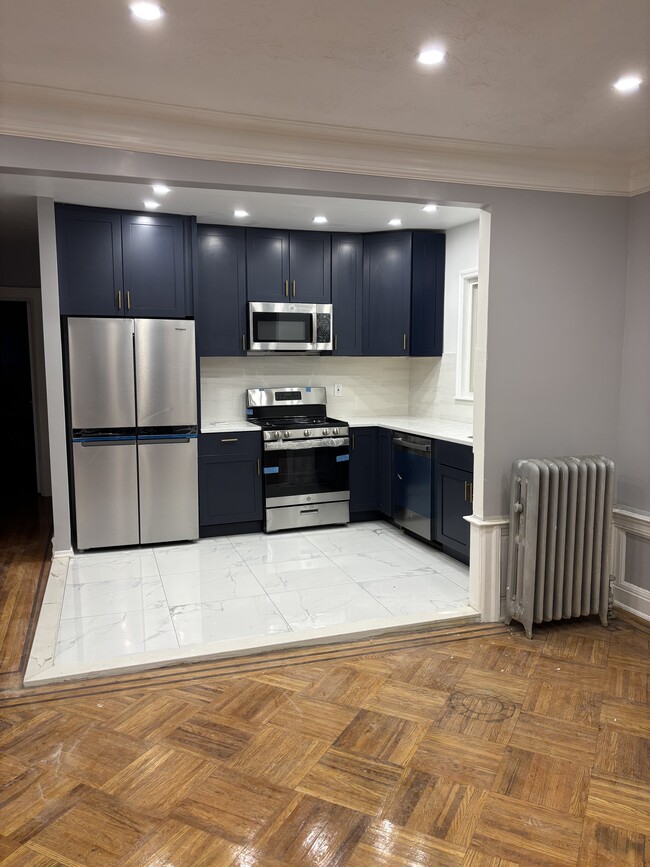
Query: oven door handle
(295,445)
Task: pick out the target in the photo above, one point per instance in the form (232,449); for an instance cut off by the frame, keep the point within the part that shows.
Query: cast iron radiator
(560,525)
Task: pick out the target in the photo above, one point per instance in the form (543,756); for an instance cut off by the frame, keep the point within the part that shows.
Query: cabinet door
(230,489)
(347,272)
(267,264)
(453,502)
(385,471)
(363,470)
(89,253)
(310,267)
(154,267)
(427,293)
(386,293)
(221,293)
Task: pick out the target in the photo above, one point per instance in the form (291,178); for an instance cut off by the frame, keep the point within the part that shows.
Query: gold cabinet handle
(293,288)
(465,492)
(352,442)
(259,468)
(405,341)
(286,288)
(119,299)
(471,492)
(128,299)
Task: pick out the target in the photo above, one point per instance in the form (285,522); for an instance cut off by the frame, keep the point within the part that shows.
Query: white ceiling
(519,72)
(17,194)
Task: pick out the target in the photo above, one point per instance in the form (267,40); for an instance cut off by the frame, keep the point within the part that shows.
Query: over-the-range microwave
(287,326)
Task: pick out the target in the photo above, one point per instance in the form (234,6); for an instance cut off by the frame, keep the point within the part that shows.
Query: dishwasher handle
(402,443)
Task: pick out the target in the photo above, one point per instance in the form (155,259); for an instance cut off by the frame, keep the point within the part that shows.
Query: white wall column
(62,541)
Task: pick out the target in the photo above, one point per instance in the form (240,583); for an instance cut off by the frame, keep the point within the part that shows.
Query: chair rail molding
(628,596)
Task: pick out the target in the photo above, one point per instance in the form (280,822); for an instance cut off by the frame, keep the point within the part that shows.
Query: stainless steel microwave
(285,327)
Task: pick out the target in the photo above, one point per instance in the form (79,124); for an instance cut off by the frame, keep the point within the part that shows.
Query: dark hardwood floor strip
(39,593)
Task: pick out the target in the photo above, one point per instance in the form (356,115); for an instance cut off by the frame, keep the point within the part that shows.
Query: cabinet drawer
(231,443)
(455,455)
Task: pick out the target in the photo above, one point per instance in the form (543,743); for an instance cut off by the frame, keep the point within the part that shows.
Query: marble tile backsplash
(371,386)
(432,389)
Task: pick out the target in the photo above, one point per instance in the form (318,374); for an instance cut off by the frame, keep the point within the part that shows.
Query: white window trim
(465,280)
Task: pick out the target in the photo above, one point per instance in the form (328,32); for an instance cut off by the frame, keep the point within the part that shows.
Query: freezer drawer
(106,493)
(169,498)
(165,372)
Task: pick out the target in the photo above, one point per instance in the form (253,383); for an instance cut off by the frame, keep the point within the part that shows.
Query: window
(467,327)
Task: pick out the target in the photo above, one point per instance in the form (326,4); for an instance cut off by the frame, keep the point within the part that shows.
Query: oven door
(306,471)
(286,327)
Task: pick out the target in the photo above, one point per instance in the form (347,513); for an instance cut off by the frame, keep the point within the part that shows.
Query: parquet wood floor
(472,749)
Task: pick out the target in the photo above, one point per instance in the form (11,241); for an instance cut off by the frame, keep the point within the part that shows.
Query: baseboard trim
(629,597)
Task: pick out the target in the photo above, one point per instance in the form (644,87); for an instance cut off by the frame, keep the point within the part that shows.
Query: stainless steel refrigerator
(132,393)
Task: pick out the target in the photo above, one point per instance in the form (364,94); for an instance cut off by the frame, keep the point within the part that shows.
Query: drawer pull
(230,440)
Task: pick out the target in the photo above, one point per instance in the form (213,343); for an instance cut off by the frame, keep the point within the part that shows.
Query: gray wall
(634,435)
(461,254)
(557,291)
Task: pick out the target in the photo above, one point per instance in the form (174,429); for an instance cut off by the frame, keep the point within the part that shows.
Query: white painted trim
(58,555)
(628,596)
(631,521)
(485,565)
(56,114)
(465,279)
(631,600)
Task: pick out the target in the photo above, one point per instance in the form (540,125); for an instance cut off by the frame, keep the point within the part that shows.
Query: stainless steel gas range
(306,457)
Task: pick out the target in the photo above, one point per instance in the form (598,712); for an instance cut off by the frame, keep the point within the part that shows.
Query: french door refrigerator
(132,393)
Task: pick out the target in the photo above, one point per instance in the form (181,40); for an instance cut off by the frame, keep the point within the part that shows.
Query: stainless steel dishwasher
(413,484)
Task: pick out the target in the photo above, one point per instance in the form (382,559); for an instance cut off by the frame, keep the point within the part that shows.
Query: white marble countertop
(236,424)
(438,429)
(450,431)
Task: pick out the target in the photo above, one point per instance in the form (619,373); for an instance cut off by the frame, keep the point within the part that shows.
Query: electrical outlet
(338,391)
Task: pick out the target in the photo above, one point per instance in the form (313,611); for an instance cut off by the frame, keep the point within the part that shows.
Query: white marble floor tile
(458,576)
(42,651)
(200,556)
(211,585)
(372,566)
(261,548)
(111,565)
(351,542)
(425,594)
(112,597)
(255,616)
(299,575)
(91,639)
(328,606)
(56,580)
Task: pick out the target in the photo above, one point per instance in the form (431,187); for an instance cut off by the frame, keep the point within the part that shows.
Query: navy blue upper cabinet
(89,252)
(267,264)
(427,293)
(221,297)
(288,266)
(310,267)
(347,272)
(386,293)
(154,267)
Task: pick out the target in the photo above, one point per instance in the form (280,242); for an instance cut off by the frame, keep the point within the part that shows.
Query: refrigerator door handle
(164,440)
(102,443)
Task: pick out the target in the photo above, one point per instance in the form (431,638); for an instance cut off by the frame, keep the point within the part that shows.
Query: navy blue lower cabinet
(385,471)
(364,487)
(454,496)
(230,480)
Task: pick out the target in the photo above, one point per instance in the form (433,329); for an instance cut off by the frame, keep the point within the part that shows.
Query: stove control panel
(306,433)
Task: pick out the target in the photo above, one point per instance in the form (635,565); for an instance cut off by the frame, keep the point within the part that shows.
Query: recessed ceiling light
(431,56)
(160,189)
(146,11)
(150,205)
(320,219)
(240,213)
(430,208)
(628,84)
(395,222)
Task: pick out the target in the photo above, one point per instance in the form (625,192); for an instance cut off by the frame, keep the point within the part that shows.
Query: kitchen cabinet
(288,266)
(230,482)
(427,294)
(364,488)
(89,252)
(454,497)
(386,293)
(385,471)
(347,274)
(123,264)
(221,291)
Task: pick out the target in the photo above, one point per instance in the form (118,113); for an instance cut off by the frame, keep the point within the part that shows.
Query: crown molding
(640,177)
(54,114)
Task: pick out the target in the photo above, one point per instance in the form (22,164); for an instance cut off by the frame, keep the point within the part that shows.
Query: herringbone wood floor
(486,750)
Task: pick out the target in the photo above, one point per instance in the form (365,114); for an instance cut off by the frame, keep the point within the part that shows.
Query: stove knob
(277,434)
(326,431)
(307,432)
(336,431)
(287,433)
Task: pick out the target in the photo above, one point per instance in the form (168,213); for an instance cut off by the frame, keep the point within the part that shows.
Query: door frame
(32,298)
